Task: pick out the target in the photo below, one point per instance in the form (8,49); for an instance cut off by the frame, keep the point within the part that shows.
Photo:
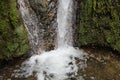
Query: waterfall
(60,63)
(65,23)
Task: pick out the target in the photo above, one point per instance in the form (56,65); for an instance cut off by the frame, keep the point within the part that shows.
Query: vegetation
(99,23)
(13,37)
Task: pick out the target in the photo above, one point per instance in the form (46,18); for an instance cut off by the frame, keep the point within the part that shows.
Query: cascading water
(35,33)
(64,20)
(61,63)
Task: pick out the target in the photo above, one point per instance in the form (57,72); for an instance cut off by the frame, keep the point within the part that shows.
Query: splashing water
(61,63)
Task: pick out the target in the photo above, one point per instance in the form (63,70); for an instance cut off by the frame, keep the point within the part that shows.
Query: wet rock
(98,70)
(46,13)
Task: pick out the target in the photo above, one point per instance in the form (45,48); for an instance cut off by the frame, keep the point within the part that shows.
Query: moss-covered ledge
(13,37)
(99,23)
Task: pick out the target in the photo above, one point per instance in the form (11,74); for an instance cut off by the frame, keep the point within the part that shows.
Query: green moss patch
(99,23)
(13,37)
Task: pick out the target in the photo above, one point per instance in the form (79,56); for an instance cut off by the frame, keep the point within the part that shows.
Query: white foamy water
(61,63)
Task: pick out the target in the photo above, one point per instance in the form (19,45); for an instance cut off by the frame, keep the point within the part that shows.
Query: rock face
(99,23)
(13,37)
(46,13)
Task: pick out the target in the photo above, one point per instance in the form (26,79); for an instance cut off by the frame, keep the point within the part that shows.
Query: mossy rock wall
(99,23)
(13,37)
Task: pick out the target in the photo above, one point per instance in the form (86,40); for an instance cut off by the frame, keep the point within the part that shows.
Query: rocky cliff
(46,12)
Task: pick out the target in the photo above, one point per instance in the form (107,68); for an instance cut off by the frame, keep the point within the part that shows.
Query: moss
(99,23)
(13,37)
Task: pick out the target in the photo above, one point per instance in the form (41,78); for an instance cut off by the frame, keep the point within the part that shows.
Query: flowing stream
(63,62)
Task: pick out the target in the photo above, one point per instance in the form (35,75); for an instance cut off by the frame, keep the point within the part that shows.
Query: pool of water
(101,65)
